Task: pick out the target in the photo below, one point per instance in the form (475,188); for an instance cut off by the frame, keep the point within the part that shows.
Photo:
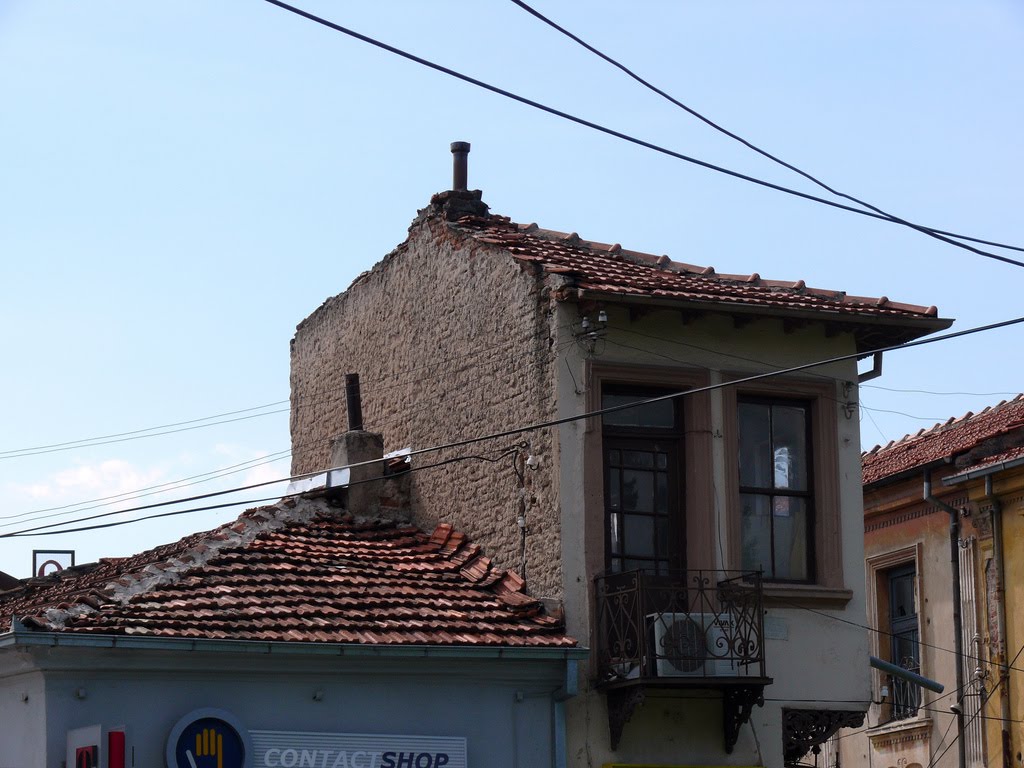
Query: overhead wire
(930,231)
(70,509)
(627,137)
(586,415)
(244,502)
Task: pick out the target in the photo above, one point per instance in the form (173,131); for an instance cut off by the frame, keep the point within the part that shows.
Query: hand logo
(210,744)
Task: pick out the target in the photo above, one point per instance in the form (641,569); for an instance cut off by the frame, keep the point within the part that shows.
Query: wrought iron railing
(906,696)
(679,627)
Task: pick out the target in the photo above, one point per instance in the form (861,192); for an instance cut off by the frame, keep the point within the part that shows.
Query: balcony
(677,630)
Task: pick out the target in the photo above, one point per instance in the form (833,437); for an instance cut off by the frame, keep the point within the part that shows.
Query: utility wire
(628,137)
(115,524)
(171,485)
(147,429)
(135,436)
(930,231)
(567,419)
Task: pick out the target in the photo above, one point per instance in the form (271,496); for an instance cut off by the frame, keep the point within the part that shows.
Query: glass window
(775,488)
(643,482)
(904,648)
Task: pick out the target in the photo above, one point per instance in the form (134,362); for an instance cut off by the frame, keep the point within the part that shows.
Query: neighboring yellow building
(967,473)
(995,487)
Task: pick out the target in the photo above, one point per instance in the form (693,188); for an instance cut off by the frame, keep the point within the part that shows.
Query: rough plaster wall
(451,340)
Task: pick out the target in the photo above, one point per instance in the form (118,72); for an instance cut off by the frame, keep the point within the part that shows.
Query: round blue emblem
(209,738)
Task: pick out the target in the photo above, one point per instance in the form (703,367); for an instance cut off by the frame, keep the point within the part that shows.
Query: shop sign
(296,749)
(214,738)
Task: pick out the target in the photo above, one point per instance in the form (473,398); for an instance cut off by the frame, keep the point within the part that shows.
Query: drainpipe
(958,643)
(1004,670)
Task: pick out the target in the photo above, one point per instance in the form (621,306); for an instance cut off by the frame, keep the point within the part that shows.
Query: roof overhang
(985,471)
(24,639)
(871,332)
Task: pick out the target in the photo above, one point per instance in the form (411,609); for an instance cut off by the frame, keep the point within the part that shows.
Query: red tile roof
(947,441)
(610,270)
(295,571)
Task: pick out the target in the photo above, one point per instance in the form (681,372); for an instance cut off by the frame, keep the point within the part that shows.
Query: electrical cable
(930,231)
(147,429)
(171,485)
(138,436)
(569,419)
(933,392)
(624,136)
(115,524)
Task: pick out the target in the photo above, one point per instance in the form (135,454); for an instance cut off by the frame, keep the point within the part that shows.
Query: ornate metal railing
(680,628)
(906,696)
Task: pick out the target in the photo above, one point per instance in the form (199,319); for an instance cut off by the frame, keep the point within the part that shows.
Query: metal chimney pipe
(354,402)
(460,166)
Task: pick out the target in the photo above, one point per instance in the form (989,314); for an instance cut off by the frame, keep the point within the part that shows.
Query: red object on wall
(87,757)
(115,749)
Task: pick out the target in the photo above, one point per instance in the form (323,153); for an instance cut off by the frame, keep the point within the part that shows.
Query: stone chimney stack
(355,447)
(460,200)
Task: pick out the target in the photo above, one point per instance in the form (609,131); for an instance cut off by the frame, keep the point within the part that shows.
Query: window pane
(662,533)
(639,459)
(756,533)
(616,533)
(614,500)
(755,445)
(661,493)
(637,491)
(789,425)
(660,414)
(639,536)
(790,524)
(901,599)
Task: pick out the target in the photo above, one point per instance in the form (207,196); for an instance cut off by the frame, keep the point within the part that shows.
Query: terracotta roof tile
(299,574)
(600,268)
(970,440)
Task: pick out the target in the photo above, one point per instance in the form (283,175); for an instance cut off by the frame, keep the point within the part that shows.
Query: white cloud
(83,482)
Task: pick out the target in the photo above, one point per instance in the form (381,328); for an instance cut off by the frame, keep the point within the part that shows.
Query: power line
(624,136)
(147,429)
(930,231)
(115,524)
(568,419)
(135,436)
(934,392)
(163,487)
(252,463)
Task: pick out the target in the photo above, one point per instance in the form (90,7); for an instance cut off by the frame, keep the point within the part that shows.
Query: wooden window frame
(697,448)
(828,584)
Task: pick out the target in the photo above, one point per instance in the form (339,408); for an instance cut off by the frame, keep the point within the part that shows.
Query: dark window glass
(643,482)
(904,647)
(775,488)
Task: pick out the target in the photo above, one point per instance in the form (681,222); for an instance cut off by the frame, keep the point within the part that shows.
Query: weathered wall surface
(451,341)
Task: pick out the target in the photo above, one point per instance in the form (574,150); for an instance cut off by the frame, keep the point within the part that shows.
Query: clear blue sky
(182,183)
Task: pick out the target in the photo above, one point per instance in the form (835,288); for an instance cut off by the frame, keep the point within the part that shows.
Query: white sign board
(297,749)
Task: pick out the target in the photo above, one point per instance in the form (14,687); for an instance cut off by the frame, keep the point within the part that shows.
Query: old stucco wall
(451,340)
